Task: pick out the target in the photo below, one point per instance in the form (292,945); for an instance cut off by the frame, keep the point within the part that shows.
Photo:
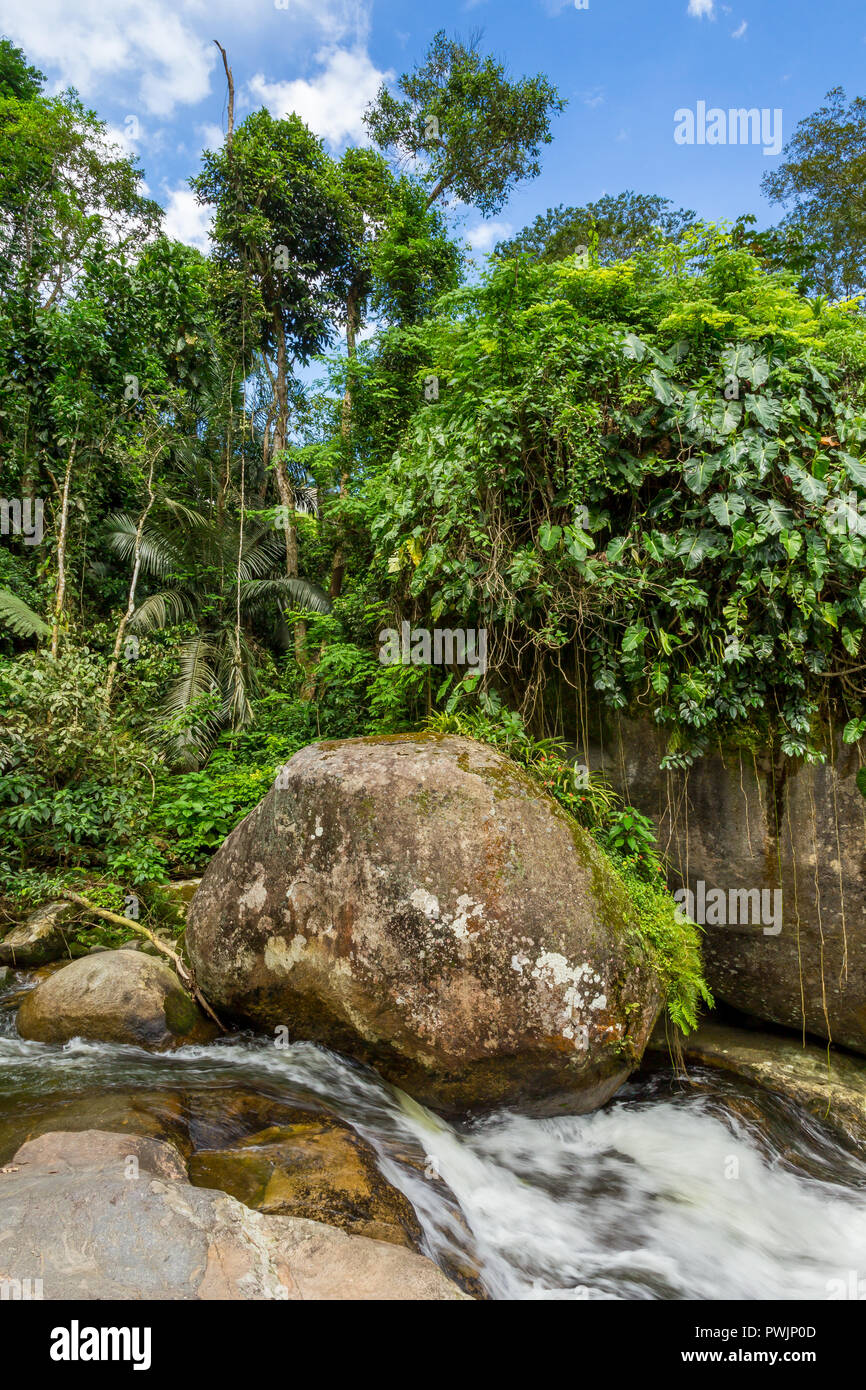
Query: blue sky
(626,66)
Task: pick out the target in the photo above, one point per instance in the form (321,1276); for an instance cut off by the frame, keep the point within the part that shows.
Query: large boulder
(419,903)
(40,938)
(742,822)
(117,996)
(111,1216)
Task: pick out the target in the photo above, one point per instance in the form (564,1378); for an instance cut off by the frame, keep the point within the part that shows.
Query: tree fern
(15,613)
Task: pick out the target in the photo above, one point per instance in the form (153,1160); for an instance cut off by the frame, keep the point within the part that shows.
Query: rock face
(319,1170)
(117,996)
(832,1088)
(735,822)
(417,902)
(109,1216)
(38,940)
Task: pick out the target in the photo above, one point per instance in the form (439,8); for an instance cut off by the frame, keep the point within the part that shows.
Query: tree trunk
(133,583)
(60,591)
(353,319)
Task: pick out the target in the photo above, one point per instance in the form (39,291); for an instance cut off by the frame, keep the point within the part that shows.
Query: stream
(701,1189)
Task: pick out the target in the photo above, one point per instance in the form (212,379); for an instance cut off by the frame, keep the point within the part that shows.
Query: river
(701,1189)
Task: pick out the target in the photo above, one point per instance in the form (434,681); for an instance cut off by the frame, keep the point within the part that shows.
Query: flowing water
(703,1189)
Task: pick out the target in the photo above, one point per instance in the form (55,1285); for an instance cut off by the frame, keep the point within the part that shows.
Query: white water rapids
(672,1191)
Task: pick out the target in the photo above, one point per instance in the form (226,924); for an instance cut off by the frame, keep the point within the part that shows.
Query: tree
(402,260)
(282,261)
(475,133)
(822,181)
(614,227)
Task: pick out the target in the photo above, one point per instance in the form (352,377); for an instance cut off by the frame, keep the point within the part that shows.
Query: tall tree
(282,261)
(473,132)
(822,183)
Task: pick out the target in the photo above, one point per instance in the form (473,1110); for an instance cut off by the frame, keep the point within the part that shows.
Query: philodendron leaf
(773,517)
(662,389)
(633,348)
(855,469)
(765,411)
(854,730)
(726,416)
(726,507)
(549,536)
(699,473)
(808,487)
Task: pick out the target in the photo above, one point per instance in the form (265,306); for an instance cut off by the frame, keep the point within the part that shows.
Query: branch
(185,975)
(231,86)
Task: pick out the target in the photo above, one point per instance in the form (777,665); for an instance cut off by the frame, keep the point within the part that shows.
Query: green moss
(673,945)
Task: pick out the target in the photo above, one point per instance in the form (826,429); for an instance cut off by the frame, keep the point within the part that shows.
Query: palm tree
(218,573)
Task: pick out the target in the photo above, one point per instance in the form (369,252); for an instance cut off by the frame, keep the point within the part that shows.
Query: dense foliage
(638,466)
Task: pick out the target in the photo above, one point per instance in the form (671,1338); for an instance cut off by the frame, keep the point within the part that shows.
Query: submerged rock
(120,997)
(418,903)
(100,1226)
(319,1170)
(40,939)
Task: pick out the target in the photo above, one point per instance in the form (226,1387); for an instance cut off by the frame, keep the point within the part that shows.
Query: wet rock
(417,902)
(75,1210)
(832,1088)
(149,1114)
(321,1171)
(115,997)
(40,939)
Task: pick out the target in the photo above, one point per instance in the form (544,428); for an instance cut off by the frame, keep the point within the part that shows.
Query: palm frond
(189,745)
(161,610)
(160,554)
(15,613)
(301,593)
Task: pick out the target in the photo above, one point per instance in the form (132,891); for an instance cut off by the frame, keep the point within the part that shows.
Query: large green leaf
(726,507)
(15,613)
(699,473)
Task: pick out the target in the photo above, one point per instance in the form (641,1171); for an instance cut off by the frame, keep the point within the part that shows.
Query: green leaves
(767,412)
(15,613)
(699,473)
(726,507)
(661,387)
(809,487)
(549,536)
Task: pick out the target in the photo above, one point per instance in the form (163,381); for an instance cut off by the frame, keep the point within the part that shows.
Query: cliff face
(734,822)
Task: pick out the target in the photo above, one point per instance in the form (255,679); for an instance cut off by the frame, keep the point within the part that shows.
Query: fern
(15,613)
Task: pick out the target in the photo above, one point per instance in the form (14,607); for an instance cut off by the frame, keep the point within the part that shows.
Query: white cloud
(160,53)
(212,136)
(148,45)
(333,102)
(486,234)
(594,97)
(740,30)
(702,9)
(185,219)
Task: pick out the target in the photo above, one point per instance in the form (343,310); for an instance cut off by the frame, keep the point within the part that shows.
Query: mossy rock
(420,903)
(318,1170)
